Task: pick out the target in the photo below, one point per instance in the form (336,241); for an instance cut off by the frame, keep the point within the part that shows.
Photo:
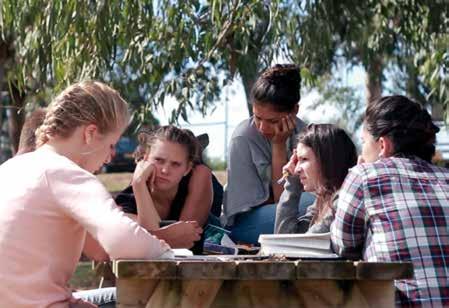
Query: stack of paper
(316,245)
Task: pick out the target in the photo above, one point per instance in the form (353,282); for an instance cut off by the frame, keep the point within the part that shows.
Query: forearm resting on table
(166,233)
(174,240)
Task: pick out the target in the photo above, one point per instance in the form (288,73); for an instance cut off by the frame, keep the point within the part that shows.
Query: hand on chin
(268,136)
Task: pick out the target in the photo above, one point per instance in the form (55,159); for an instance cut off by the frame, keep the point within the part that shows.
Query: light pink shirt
(47,203)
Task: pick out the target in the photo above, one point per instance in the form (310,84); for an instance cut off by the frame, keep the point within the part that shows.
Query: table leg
(377,293)
(199,293)
(345,293)
(134,292)
(184,293)
(256,294)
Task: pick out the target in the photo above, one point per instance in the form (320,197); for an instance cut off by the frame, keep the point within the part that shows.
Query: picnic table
(257,283)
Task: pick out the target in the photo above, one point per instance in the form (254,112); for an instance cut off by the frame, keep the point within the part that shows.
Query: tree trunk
(248,81)
(412,89)
(373,83)
(16,117)
(249,64)
(4,55)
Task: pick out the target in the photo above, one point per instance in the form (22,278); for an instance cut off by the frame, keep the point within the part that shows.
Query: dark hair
(198,157)
(27,141)
(170,133)
(335,153)
(407,124)
(279,86)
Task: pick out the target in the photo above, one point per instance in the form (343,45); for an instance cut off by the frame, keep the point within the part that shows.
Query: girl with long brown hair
(319,165)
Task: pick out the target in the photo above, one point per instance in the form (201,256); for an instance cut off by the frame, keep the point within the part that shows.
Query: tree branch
(223,34)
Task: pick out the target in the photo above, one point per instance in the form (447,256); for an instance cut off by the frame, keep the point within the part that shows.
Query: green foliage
(148,49)
(433,66)
(84,277)
(215,163)
(190,49)
(323,31)
(373,34)
(345,99)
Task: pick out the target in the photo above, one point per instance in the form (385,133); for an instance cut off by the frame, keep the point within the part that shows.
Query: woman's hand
(145,172)
(291,164)
(283,129)
(143,185)
(182,234)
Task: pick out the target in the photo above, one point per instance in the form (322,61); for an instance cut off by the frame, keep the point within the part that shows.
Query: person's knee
(249,225)
(306,200)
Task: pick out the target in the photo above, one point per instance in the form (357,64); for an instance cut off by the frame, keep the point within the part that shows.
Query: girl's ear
(386,147)
(89,133)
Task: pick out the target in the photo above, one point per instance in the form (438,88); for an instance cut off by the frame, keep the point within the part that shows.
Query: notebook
(314,245)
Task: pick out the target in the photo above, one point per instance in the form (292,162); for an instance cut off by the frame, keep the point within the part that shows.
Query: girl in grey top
(319,165)
(259,148)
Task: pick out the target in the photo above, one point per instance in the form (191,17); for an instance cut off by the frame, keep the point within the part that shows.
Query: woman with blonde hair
(51,200)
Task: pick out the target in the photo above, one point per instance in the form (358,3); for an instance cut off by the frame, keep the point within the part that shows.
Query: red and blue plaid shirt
(397,209)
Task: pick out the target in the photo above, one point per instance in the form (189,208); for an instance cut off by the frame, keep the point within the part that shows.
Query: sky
(214,122)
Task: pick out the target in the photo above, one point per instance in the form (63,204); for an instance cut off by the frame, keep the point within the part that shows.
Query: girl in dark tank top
(181,188)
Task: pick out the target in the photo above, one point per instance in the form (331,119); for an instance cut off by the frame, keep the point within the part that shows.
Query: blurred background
(193,62)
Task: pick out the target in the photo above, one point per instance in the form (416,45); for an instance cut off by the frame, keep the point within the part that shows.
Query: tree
(187,49)
(190,49)
(370,33)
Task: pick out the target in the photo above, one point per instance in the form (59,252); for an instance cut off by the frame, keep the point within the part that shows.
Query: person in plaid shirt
(394,206)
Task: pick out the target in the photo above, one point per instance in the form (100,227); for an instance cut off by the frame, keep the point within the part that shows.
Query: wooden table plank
(206,270)
(257,294)
(384,271)
(325,270)
(255,283)
(134,292)
(154,269)
(262,270)
(199,293)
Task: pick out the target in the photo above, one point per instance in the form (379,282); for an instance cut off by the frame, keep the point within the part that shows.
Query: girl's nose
(298,168)
(263,127)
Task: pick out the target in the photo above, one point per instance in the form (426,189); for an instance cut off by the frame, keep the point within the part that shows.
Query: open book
(316,245)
